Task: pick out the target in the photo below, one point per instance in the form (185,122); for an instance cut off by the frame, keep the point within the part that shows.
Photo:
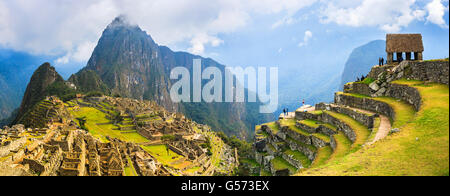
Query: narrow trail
(383,130)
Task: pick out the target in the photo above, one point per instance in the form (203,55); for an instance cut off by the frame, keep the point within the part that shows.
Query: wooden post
(408,56)
(390,57)
(419,55)
(416,56)
(399,54)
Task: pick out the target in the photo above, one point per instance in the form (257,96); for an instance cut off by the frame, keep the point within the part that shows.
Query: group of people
(360,79)
(286,110)
(381,61)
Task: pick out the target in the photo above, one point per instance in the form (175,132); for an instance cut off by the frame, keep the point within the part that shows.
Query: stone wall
(325,130)
(409,94)
(305,115)
(377,70)
(434,71)
(13,146)
(347,130)
(297,136)
(365,119)
(291,160)
(359,88)
(365,104)
(311,154)
(333,143)
(317,142)
(306,127)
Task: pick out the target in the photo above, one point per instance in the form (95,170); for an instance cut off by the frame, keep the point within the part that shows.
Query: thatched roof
(404,43)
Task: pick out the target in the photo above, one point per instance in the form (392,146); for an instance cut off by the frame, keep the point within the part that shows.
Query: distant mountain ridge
(128,63)
(362,59)
(16,69)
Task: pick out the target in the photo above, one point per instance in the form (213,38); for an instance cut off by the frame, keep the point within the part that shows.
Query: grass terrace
(311,147)
(310,123)
(299,156)
(94,116)
(279,164)
(323,154)
(420,148)
(162,154)
(361,131)
(290,123)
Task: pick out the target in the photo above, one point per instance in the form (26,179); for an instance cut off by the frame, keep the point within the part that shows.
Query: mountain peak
(121,21)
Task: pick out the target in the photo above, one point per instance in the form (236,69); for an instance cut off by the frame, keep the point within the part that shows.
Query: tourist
(284,112)
(382,61)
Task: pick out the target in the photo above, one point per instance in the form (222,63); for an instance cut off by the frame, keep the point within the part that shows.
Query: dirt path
(383,130)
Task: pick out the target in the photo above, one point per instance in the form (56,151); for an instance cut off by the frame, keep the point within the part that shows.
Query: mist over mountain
(128,63)
(16,69)
(362,59)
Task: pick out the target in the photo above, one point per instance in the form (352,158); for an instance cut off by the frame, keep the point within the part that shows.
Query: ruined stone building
(410,44)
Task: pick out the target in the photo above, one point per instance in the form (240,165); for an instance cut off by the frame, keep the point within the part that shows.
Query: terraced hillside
(105,136)
(170,138)
(396,124)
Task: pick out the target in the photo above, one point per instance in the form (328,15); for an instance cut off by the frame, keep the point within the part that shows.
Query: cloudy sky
(290,33)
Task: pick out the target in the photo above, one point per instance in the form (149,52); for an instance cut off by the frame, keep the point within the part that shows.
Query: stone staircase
(361,115)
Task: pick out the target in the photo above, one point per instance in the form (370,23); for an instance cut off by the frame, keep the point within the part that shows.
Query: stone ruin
(67,151)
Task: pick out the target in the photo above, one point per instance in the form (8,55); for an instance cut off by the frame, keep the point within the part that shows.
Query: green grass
(376,126)
(310,123)
(323,154)
(421,148)
(299,156)
(273,126)
(361,131)
(130,171)
(322,137)
(317,112)
(251,162)
(367,81)
(265,173)
(343,146)
(95,116)
(279,164)
(404,112)
(291,124)
(162,154)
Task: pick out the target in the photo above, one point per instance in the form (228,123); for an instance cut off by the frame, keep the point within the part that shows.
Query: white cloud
(389,15)
(198,43)
(81,53)
(436,11)
(308,35)
(68,28)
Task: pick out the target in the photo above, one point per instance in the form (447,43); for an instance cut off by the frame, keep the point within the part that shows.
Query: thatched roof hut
(404,43)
